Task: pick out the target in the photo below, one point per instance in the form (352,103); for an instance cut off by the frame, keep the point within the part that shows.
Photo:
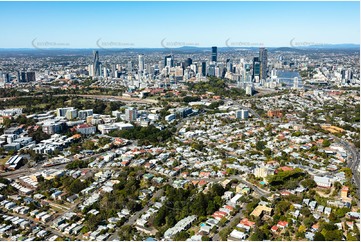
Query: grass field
(5,159)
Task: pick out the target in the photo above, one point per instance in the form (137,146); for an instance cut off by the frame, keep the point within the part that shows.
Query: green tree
(326,143)
(267,152)
(260,145)
(309,183)
(319,237)
(88,145)
(332,235)
(257,235)
(224,233)
(181,236)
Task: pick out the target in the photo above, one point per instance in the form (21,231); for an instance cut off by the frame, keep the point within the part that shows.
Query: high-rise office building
(194,68)
(256,68)
(214,53)
(211,70)
(343,74)
(96,63)
(30,76)
(23,76)
(114,71)
(188,62)
(263,63)
(218,71)
(169,61)
(204,68)
(130,66)
(160,65)
(6,77)
(141,63)
(105,71)
(90,70)
(18,76)
(229,66)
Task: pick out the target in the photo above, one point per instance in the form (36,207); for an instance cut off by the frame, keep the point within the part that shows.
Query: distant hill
(183,49)
(289,49)
(333,46)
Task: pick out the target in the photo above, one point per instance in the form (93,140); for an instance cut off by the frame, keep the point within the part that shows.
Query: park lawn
(5,159)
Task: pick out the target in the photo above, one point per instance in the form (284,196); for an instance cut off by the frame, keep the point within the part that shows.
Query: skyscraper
(130,66)
(141,63)
(188,62)
(204,68)
(6,77)
(91,70)
(214,53)
(256,68)
(211,70)
(18,76)
(263,63)
(114,71)
(96,63)
(229,66)
(30,76)
(23,76)
(105,71)
(169,61)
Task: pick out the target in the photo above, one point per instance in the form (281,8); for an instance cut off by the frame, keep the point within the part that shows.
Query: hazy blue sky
(146,24)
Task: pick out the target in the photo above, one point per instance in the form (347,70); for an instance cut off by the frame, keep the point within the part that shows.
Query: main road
(353,162)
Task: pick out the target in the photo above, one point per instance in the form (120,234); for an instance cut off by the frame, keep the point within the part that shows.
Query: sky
(175,24)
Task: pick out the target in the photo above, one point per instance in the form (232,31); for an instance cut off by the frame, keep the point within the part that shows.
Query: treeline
(83,87)
(286,179)
(145,135)
(49,102)
(77,164)
(217,86)
(9,93)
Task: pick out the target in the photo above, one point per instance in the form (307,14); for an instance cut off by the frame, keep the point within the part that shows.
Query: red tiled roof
(282,223)
(220,213)
(274,228)
(229,207)
(285,193)
(315,226)
(202,183)
(285,168)
(246,222)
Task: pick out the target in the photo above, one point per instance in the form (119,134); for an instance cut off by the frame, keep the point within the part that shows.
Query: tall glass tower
(96,63)
(263,63)
(256,67)
(214,53)
(141,62)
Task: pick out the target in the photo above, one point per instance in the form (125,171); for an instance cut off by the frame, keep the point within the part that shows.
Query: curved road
(353,162)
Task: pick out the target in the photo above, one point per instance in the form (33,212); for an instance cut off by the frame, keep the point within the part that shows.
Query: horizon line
(186,46)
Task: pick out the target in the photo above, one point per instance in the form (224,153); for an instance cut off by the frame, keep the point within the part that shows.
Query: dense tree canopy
(147,135)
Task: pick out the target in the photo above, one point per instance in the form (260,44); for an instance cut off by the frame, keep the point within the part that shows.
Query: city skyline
(161,24)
